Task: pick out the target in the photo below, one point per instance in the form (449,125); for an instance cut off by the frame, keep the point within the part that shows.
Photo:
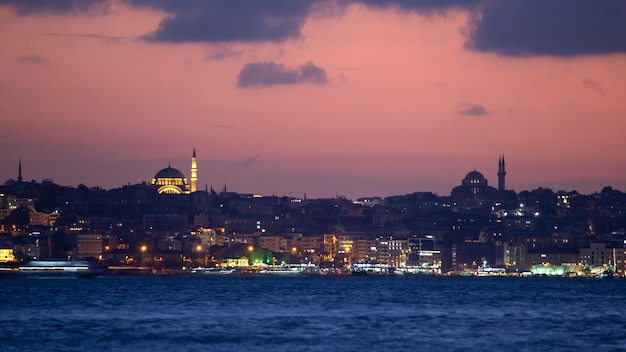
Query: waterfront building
(515,255)
(374,251)
(6,255)
(273,243)
(422,251)
(551,256)
(330,247)
(602,253)
(88,246)
(398,252)
(310,246)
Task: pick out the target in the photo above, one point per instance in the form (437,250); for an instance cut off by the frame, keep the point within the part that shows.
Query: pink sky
(80,108)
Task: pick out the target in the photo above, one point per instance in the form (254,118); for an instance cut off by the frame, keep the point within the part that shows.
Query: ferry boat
(291,269)
(78,267)
(213,271)
(367,269)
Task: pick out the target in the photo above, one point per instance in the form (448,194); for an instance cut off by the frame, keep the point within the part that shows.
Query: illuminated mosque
(172,181)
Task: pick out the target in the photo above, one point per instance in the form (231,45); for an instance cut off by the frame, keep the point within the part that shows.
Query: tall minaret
(501,174)
(194,171)
(19,171)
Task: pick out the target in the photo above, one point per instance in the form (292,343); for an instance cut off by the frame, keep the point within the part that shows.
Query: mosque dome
(474,179)
(169,172)
(171,181)
(474,175)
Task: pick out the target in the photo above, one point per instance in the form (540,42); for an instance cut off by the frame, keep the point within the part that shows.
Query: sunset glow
(364,100)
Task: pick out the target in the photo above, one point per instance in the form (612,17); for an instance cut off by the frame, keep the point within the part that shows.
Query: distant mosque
(475,187)
(11,182)
(172,181)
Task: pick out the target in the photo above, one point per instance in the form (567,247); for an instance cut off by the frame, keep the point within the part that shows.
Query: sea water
(326,313)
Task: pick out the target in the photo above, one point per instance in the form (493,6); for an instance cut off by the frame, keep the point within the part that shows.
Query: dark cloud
(34,59)
(228,21)
(504,27)
(593,86)
(264,74)
(532,28)
(554,27)
(472,110)
(222,54)
(425,7)
(34,7)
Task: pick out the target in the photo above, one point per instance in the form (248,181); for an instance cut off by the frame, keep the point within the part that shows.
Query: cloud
(424,7)
(36,7)
(249,161)
(505,27)
(555,27)
(228,21)
(265,74)
(531,28)
(34,59)
(105,38)
(472,110)
(221,54)
(223,126)
(593,86)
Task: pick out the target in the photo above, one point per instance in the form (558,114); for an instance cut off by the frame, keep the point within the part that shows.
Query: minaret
(501,174)
(19,171)
(194,171)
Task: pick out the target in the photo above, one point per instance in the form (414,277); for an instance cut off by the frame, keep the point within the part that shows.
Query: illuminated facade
(194,172)
(6,255)
(172,181)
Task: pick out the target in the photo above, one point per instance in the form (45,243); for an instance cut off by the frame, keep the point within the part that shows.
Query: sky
(318,97)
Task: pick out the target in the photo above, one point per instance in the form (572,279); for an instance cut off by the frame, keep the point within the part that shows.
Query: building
(273,243)
(88,246)
(474,187)
(6,255)
(601,253)
(171,181)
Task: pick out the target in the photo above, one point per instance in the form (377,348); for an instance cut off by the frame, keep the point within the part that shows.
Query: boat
(213,271)
(371,269)
(606,274)
(280,271)
(291,269)
(75,267)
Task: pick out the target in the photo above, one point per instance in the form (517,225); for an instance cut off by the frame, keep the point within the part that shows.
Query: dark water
(311,314)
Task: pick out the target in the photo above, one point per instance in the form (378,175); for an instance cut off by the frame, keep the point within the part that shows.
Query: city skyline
(354,98)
